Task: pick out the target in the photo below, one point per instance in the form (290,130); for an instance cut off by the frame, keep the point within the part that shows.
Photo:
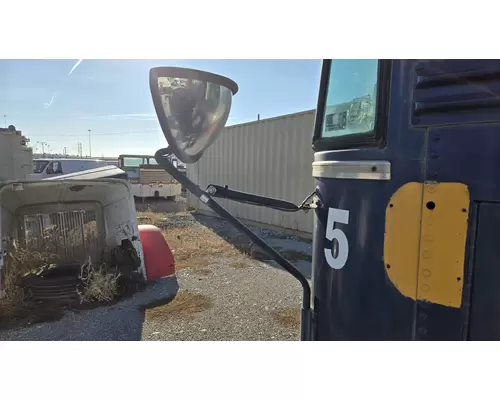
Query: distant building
(16,158)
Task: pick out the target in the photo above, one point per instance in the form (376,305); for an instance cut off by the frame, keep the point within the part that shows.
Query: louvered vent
(456,91)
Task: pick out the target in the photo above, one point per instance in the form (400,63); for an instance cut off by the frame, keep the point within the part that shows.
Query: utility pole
(90,145)
(5,120)
(79,151)
(65,151)
(43,144)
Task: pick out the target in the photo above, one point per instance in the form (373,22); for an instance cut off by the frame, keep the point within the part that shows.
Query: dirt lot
(223,289)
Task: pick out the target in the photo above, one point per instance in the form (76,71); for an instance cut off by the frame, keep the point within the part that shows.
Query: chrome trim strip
(372,170)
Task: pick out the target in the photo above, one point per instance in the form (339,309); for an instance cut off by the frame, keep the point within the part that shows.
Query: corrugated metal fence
(270,157)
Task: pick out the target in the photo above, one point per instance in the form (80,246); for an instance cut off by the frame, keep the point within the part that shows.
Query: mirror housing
(192,108)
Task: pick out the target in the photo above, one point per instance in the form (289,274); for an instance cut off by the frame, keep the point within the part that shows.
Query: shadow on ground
(121,321)
(296,250)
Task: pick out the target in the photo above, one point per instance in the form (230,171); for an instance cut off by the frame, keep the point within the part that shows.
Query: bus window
(351,98)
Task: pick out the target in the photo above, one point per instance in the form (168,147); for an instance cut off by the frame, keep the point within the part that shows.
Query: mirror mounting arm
(256,200)
(163,160)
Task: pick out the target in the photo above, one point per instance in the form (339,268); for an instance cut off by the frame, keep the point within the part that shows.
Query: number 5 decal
(342,217)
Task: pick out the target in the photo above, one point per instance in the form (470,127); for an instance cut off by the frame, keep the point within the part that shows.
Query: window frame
(374,138)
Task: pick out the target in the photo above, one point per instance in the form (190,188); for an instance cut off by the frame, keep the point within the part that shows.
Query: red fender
(158,258)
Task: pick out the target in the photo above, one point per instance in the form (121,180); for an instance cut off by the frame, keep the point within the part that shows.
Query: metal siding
(270,157)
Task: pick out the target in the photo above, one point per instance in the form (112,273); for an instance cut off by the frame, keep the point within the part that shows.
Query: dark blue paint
(359,302)
(485,307)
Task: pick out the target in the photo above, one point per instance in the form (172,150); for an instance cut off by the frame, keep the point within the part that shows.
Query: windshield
(351,98)
(132,162)
(39,166)
(137,161)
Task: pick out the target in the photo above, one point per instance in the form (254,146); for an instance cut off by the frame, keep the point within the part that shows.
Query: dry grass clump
(288,317)
(14,306)
(193,244)
(196,245)
(99,285)
(184,306)
(18,263)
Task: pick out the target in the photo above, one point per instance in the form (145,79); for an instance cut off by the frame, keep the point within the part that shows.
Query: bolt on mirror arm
(163,160)
(257,200)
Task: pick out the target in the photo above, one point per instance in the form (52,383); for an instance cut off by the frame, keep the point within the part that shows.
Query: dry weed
(18,263)
(287,317)
(193,244)
(184,305)
(98,284)
(196,245)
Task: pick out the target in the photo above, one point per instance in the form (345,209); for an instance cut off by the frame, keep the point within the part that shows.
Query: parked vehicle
(47,167)
(147,178)
(84,217)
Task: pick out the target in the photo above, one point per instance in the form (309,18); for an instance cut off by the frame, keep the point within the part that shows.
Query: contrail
(47,105)
(75,67)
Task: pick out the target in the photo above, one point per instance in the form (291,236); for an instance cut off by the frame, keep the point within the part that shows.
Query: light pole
(90,145)
(43,144)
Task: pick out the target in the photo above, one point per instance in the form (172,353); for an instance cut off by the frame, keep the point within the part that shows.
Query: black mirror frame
(183,73)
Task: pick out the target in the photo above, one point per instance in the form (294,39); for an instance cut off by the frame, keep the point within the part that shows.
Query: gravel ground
(244,299)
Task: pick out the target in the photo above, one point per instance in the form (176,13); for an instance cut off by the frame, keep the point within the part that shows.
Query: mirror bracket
(257,200)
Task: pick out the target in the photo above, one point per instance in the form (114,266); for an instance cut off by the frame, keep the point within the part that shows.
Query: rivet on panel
(426,273)
(425,288)
(422,331)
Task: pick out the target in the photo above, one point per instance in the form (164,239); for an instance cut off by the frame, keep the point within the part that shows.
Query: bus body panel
(442,127)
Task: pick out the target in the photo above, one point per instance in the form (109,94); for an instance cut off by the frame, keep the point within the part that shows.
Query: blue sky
(111,97)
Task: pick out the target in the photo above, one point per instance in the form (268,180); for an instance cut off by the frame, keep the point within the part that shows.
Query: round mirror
(192,107)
